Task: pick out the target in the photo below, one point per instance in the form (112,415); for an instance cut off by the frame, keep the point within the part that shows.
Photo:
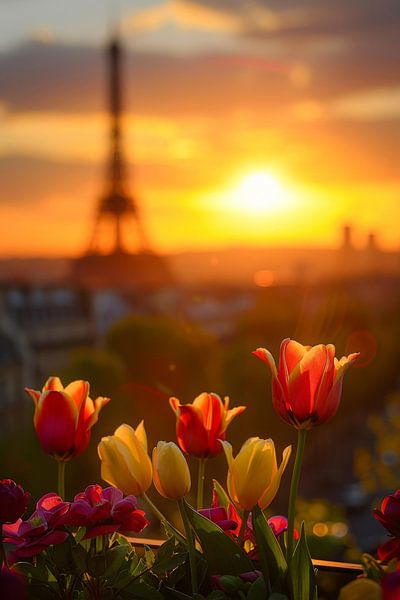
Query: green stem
(191,547)
(200,482)
(294,486)
(158,514)
(243,526)
(3,555)
(61,478)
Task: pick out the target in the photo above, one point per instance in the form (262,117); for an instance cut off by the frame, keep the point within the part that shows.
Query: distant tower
(347,242)
(119,269)
(116,205)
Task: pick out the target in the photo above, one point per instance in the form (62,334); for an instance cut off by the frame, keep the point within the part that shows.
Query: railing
(322,565)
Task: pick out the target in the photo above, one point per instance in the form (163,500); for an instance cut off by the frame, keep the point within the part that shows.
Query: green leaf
(272,562)
(276,596)
(143,591)
(223,555)
(221,494)
(149,556)
(257,590)
(301,574)
(115,559)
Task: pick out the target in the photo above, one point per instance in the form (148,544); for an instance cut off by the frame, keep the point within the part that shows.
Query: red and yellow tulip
(201,425)
(64,417)
(307,387)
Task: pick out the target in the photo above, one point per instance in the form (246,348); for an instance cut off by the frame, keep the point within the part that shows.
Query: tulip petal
(55,422)
(266,356)
(293,353)
(53,383)
(79,391)
(272,489)
(33,394)
(304,382)
(141,434)
(175,405)
(190,431)
(121,470)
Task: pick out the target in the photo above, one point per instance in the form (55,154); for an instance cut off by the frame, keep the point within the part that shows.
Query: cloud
(182,13)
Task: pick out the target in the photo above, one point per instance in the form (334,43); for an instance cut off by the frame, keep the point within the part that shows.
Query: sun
(259,191)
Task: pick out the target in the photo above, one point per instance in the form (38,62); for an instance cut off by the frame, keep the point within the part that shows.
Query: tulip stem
(191,546)
(200,482)
(294,486)
(3,555)
(243,526)
(163,520)
(61,478)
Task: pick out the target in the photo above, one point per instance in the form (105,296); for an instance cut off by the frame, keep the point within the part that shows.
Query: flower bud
(171,474)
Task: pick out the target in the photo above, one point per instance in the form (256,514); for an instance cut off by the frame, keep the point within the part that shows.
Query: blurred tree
(104,371)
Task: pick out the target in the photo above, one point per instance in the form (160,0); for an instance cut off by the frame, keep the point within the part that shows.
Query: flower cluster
(306,390)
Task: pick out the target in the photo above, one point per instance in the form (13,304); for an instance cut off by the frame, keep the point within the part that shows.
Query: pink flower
(218,515)
(391,586)
(41,530)
(389,517)
(13,501)
(12,585)
(104,511)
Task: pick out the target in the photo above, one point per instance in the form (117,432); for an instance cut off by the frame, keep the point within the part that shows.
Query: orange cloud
(184,14)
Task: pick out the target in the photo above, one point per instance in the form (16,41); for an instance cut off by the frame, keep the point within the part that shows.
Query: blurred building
(39,327)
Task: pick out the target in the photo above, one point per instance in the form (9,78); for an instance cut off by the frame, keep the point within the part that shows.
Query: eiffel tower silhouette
(117,205)
(144,268)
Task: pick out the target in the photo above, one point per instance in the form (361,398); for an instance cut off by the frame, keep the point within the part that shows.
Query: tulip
(64,417)
(201,425)
(253,476)
(13,501)
(307,387)
(361,589)
(171,474)
(124,460)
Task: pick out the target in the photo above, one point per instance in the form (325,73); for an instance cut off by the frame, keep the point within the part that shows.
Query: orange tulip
(200,425)
(306,389)
(64,417)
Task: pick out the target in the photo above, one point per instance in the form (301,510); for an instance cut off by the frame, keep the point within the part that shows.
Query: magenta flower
(389,517)
(13,501)
(218,515)
(41,530)
(104,511)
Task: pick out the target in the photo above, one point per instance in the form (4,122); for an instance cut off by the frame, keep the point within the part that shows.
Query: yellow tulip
(171,474)
(253,476)
(125,463)
(361,589)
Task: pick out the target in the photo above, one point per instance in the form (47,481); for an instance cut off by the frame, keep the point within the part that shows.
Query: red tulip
(64,417)
(13,501)
(201,425)
(306,389)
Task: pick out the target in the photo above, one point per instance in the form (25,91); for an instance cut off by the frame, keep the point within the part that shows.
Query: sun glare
(259,192)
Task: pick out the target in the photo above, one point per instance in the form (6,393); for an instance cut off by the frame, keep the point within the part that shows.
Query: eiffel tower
(117,206)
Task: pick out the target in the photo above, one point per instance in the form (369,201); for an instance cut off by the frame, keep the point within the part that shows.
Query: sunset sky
(247,122)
